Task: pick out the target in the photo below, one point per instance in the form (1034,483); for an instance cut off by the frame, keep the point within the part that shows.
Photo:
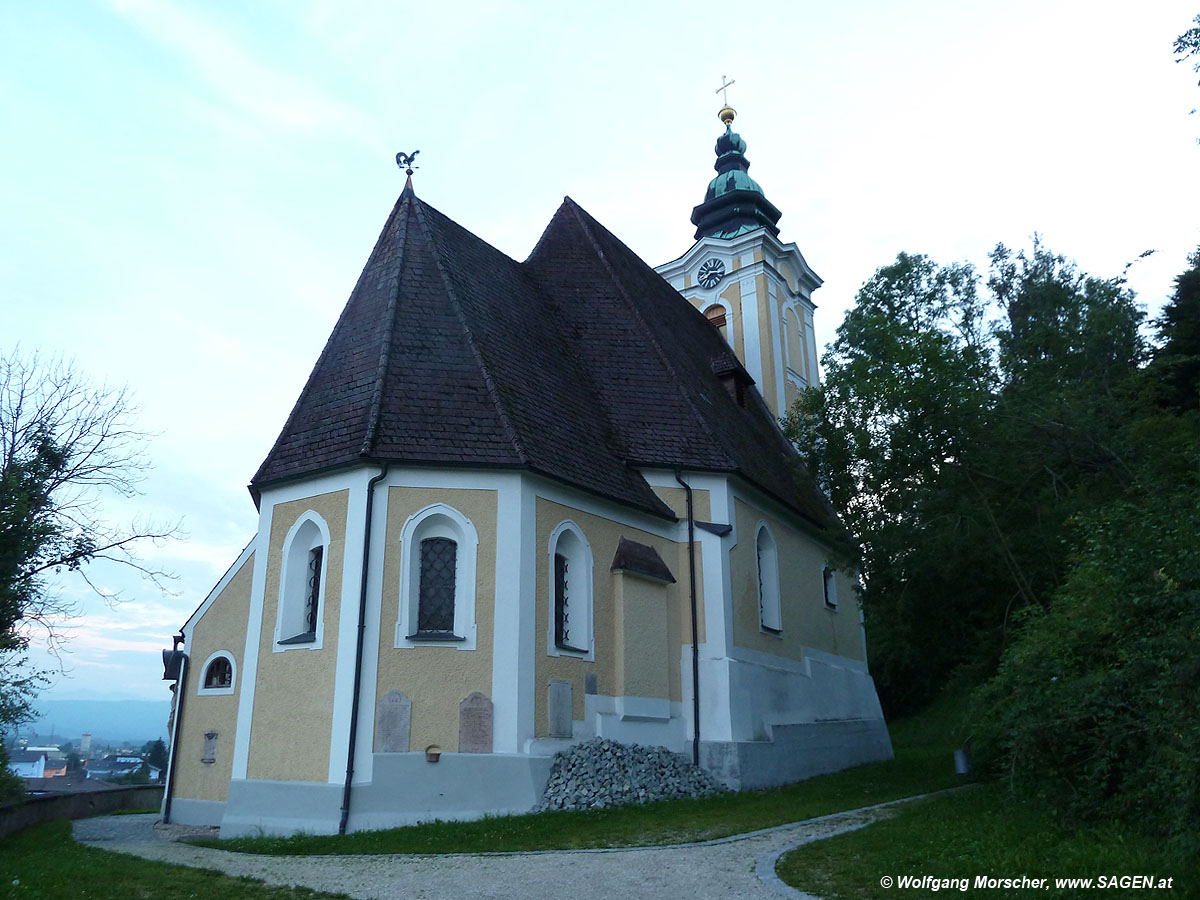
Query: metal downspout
(358,651)
(695,627)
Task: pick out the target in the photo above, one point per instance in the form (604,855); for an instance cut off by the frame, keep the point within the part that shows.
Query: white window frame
(766,570)
(293,572)
(581,560)
(829,586)
(203,691)
(437,520)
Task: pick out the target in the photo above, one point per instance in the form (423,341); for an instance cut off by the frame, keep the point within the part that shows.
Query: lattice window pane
(436,605)
(219,675)
(313,588)
(562,628)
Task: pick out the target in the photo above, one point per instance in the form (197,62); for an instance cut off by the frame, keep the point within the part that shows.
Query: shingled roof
(580,363)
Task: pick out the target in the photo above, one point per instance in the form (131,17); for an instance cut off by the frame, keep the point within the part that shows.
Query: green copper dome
(734,203)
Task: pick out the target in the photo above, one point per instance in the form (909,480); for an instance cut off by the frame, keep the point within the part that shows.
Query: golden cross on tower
(722,90)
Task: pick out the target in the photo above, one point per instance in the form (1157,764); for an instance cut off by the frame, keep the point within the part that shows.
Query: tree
(951,445)
(891,434)
(155,753)
(1187,45)
(65,444)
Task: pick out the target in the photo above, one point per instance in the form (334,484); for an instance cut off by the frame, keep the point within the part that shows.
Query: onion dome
(734,203)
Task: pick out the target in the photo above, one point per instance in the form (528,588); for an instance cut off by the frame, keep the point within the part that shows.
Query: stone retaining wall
(32,810)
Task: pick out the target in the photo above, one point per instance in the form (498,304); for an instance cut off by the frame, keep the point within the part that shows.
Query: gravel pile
(602,773)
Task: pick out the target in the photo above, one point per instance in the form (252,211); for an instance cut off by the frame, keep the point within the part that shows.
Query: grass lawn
(923,763)
(43,863)
(985,832)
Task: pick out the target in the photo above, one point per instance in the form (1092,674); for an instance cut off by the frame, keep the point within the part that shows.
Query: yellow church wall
(733,296)
(791,393)
(293,692)
(641,628)
(766,341)
(222,627)
(785,269)
(436,677)
(603,535)
(806,620)
(795,342)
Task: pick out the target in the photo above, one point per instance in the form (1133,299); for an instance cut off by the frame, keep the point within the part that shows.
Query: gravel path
(741,867)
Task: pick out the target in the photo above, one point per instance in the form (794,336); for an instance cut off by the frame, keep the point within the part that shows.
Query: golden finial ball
(726,115)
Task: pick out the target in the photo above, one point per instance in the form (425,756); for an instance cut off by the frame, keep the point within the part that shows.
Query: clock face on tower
(711,271)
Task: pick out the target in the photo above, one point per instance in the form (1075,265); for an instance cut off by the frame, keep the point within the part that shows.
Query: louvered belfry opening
(435,613)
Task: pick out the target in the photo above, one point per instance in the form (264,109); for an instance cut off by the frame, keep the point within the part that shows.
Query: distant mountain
(130,722)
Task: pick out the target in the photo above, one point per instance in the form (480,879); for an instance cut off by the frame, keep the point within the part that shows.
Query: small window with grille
(769,613)
(570,592)
(830,582)
(437,579)
(566,632)
(302,585)
(435,604)
(219,674)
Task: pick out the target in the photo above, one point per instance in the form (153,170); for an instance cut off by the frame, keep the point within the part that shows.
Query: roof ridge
(650,335)
(338,326)
(407,198)
(488,380)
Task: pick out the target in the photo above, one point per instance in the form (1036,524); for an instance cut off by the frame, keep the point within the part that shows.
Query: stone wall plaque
(475,724)
(393,723)
(560,709)
(591,683)
(210,748)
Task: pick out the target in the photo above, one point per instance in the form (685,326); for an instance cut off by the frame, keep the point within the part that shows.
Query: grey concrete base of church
(461,786)
(405,789)
(280,807)
(196,812)
(796,752)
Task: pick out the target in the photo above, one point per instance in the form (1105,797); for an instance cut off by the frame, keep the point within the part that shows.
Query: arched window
(302,584)
(437,579)
(716,317)
(217,674)
(830,582)
(769,614)
(570,592)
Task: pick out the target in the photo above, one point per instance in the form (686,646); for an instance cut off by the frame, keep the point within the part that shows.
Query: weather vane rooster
(405,161)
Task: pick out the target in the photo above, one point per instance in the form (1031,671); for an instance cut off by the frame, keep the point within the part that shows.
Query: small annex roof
(581,364)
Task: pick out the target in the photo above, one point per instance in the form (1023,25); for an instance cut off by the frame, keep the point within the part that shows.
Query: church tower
(753,288)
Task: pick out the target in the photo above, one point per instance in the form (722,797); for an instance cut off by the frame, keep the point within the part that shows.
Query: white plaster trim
(372,621)
(775,324)
(347,640)
(751,329)
(287,603)
(229,575)
(465,588)
(589,605)
(618,513)
(202,691)
(245,716)
(512,625)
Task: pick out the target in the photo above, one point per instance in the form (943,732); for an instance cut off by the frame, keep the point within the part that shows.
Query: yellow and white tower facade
(753,288)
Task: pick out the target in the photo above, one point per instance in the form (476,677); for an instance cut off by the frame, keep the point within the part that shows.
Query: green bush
(1095,707)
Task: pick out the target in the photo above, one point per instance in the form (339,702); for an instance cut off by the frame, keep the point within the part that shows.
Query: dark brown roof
(640,559)
(580,363)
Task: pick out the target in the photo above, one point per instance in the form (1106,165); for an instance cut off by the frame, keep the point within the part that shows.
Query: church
(518,505)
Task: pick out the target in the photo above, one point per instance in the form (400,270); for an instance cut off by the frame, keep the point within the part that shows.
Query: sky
(188,191)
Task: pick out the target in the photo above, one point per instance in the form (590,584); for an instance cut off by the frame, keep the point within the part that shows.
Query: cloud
(265,94)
